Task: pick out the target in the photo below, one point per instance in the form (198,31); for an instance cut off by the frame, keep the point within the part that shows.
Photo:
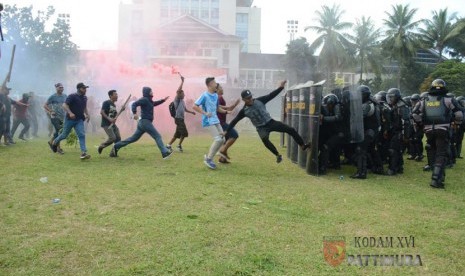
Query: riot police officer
(371,121)
(398,130)
(416,138)
(461,128)
(436,112)
(331,132)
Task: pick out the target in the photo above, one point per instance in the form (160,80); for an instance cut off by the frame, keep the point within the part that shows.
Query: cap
(58,84)
(246,94)
(81,85)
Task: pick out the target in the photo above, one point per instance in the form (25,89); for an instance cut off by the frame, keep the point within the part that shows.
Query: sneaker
(209,163)
(54,147)
(306,146)
(99,149)
(169,147)
(60,151)
(114,152)
(84,155)
(179,147)
(167,154)
(22,138)
(279,158)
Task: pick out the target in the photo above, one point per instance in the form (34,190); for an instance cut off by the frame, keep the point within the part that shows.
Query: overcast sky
(94,23)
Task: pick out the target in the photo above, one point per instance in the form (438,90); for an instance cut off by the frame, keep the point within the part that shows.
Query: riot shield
(304,121)
(314,110)
(356,134)
(288,119)
(294,121)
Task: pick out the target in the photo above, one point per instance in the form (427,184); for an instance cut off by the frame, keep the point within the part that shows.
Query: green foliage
(452,72)
(72,139)
(299,61)
(39,48)
(401,42)
(414,75)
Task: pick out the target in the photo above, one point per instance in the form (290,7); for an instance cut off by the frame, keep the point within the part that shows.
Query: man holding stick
(109,116)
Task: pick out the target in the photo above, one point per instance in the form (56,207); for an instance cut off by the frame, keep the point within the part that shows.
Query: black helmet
(461,100)
(365,91)
(424,95)
(438,86)
(407,100)
(380,97)
(415,97)
(330,99)
(393,96)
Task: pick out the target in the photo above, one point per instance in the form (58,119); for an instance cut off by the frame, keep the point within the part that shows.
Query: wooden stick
(121,109)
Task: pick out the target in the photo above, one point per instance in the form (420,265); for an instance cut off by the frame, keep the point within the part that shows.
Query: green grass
(141,215)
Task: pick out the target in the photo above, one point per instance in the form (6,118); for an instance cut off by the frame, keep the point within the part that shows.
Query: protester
(108,123)
(180,108)
(54,108)
(76,113)
(255,110)
(207,104)
(145,124)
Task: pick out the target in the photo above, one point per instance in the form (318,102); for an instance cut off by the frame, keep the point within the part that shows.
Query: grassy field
(141,215)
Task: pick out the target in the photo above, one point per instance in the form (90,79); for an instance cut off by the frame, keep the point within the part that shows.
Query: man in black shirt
(255,110)
(108,124)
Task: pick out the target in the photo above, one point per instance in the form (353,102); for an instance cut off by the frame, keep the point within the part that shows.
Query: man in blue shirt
(76,112)
(207,104)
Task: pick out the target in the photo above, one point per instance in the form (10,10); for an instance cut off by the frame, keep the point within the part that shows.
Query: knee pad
(391,152)
(358,150)
(427,147)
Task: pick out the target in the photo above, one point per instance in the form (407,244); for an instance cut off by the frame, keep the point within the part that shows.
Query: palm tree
(439,31)
(436,30)
(334,44)
(457,43)
(401,42)
(367,45)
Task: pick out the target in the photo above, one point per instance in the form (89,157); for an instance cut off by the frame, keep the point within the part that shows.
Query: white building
(192,33)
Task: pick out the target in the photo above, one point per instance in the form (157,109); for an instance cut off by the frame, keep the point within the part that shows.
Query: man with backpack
(436,112)
(177,109)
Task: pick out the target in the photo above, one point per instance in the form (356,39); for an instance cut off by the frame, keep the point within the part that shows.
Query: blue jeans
(144,126)
(78,126)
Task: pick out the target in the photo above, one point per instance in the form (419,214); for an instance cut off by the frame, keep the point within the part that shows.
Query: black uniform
(436,112)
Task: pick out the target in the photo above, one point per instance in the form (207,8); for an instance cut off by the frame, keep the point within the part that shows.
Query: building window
(242,29)
(225,56)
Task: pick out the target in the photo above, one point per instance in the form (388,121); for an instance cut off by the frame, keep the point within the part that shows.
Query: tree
(452,72)
(299,61)
(367,46)
(439,31)
(335,47)
(401,42)
(457,43)
(37,49)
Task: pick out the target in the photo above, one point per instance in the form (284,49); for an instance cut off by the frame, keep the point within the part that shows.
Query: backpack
(436,111)
(172,109)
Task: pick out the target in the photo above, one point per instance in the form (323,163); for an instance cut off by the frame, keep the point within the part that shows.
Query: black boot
(437,179)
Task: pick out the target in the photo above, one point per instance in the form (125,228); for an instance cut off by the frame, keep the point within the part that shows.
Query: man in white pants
(207,105)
